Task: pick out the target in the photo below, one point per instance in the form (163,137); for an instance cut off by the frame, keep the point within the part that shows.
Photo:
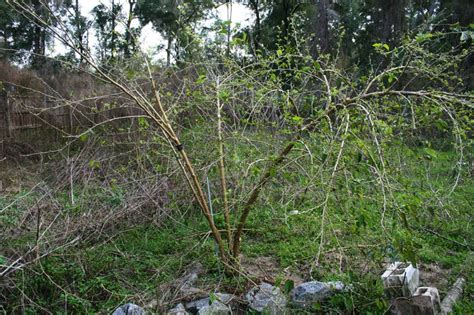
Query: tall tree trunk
(79,31)
(113,38)
(391,20)
(39,36)
(434,4)
(168,51)
(37,41)
(229,20)
(286,17)
(320,28)
(129,39)
(254,4)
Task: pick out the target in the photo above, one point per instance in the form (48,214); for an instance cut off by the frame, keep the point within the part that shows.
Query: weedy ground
(430,227)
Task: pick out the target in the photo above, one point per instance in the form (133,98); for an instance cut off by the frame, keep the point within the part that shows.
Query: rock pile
(401,285)
(264,298)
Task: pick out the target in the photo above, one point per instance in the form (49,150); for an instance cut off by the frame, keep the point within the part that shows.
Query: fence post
(8,118)
(4,99)
(70,119)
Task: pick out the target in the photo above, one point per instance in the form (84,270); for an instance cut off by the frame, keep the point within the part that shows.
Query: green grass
(132,265)
(100,277)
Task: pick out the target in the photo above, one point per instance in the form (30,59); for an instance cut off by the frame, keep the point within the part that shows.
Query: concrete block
(426,301)
(400,280)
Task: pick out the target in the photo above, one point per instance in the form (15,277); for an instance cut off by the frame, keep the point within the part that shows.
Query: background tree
(14,32)
(278,22)
(106,20)
(174,19)
(130,45)
(22,36)
(257,7)
(80,25)
(320,26)
(457,11)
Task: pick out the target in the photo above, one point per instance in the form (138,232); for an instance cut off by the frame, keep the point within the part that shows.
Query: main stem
(222,167)
(188,167)
(253,197)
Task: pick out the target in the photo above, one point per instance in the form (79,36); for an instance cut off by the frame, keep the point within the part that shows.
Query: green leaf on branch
(84,137)
(430,153)
(201,79)
(380,46)
(297,120)
(422,37)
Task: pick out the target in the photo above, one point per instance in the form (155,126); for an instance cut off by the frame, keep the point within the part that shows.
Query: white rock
(266,298)
(178,310)
(216,308)
(129,309)
(305,294)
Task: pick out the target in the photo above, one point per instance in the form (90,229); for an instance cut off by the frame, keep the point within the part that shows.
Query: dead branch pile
(108,192)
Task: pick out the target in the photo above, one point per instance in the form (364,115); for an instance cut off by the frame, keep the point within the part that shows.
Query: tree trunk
(229,20)
(129,39)
(168,52)
(391,20)
(113,38)
(286,17)
(39,36)
(79,31)
(254,4)
(320,28)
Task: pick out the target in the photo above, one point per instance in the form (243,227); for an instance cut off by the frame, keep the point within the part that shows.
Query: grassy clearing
(286,227)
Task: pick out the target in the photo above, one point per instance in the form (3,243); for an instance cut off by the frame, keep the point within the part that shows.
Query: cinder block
(426,301)
(400,280)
